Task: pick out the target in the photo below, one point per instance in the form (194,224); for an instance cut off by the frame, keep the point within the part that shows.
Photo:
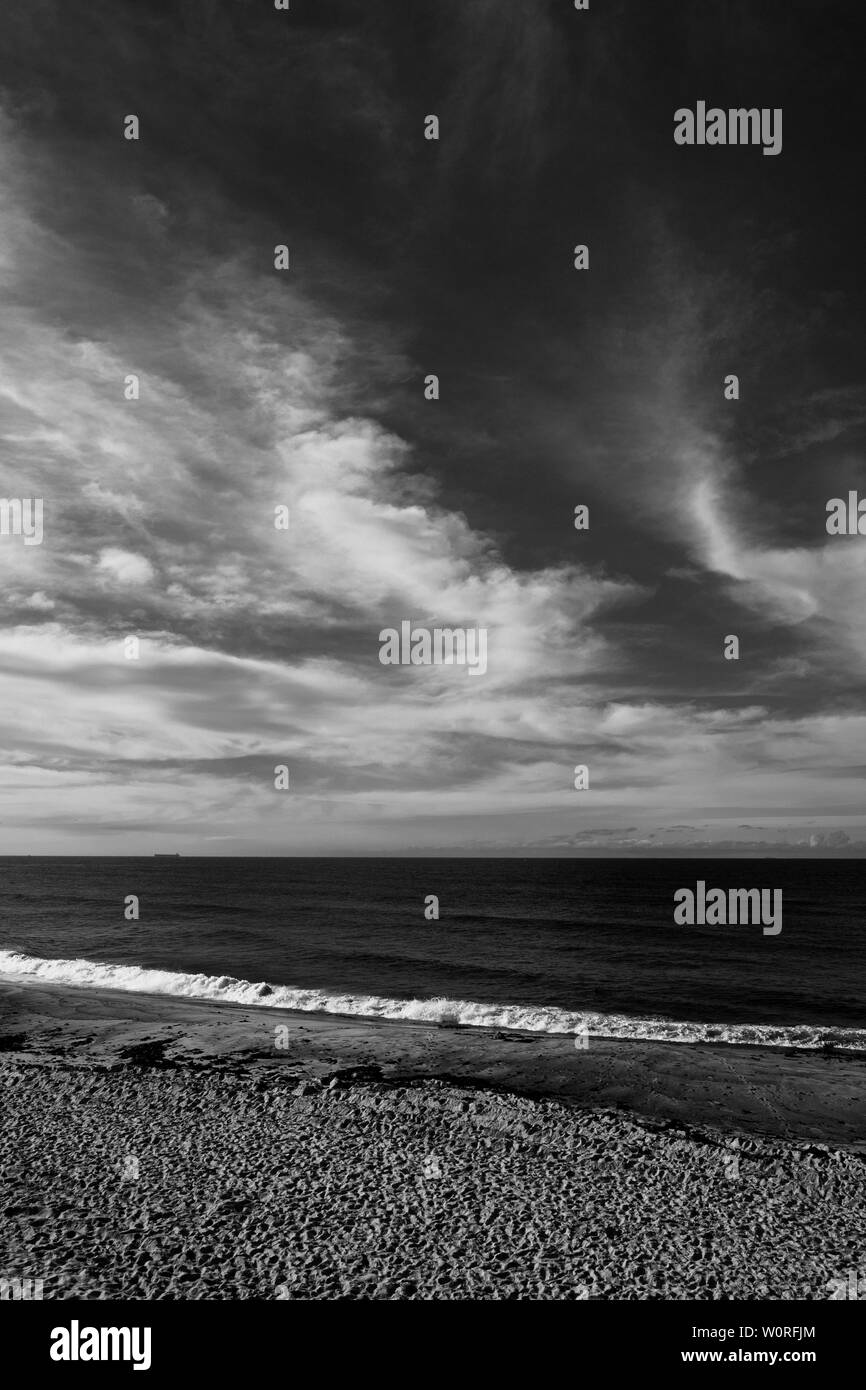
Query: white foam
(531,1018)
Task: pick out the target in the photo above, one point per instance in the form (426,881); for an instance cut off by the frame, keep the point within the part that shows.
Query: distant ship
(166,856)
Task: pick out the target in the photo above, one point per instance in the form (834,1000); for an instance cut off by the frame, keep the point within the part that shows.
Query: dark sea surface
(553,945)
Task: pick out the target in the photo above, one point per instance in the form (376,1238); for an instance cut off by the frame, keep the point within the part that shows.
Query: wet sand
(157,1147)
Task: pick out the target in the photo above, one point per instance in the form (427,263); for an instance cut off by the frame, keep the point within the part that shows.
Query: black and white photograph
(432,665)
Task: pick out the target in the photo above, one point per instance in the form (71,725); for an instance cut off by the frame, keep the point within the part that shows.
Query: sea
(587,946)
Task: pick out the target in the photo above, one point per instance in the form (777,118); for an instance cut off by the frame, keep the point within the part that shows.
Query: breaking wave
(532,1018)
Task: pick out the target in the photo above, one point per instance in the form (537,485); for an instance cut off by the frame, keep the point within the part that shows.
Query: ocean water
(549,945)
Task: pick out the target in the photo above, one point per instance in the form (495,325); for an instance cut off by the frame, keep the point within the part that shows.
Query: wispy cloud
(257,390)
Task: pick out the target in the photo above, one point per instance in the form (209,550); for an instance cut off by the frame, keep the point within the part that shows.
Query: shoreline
(793,1094)
(509,1017)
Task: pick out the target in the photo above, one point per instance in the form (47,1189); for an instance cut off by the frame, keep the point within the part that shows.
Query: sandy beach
(168,1148)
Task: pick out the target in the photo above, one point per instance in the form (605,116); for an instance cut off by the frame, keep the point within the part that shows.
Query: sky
(304,388)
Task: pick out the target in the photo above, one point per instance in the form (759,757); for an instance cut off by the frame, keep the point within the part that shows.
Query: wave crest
(531,1018)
